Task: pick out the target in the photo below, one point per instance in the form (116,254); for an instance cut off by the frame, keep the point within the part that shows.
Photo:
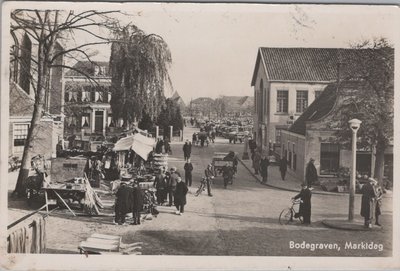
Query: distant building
(201,108)
(87,101)
(23,74)
(235,106)
(286,81)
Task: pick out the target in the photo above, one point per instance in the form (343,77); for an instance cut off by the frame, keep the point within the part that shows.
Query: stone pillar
(171,129)
(157,132)
(181,135)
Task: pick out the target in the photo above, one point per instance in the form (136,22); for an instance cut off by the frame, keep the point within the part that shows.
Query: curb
(348,226)
(289,189)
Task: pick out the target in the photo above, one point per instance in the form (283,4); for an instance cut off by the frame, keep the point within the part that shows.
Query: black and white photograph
(144,135)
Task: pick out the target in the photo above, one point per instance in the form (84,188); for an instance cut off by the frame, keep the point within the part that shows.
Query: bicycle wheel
(286,216)
(199,190)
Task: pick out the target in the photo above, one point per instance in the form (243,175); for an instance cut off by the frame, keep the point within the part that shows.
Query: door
(98,121)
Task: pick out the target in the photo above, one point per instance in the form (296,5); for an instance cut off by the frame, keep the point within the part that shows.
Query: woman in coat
(283,167)
(264,163)
(256,162)
(368,202)
(305,205)
(180,196)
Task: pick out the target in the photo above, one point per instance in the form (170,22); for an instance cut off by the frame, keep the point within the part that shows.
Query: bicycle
(289,213)
(202,186)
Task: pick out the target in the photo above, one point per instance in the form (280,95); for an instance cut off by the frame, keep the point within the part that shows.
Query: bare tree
(50,30)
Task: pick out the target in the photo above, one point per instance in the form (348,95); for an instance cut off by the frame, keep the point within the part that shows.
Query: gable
(21,104)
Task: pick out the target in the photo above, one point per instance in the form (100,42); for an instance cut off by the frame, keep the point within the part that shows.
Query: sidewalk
(289,184)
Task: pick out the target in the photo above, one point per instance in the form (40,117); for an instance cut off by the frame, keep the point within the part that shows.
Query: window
(260,107)
(20,134)
(317,93)
(301,100)
(282,101)
(329,158)
(85,119)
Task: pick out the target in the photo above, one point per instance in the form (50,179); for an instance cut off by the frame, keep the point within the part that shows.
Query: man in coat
(264,163)
(188,167)
(137,203)
(283,167)
(180,196)
(172,185)
(311,173)
(368,202)
(209,174)
(122,203)
(161,186)
(305,205)
(186,153)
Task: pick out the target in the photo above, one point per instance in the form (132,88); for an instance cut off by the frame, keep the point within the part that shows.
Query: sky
(214,46)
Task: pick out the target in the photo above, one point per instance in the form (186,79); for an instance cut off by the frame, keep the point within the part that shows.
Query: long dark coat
(264,163)
(137,199)
(367,201)
(283,165)
(305,206)
(311,174)
(256,161)
(180,193)
(124,199)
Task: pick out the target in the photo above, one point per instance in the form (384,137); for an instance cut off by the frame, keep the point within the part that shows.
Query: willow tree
(139,73)
(50,30)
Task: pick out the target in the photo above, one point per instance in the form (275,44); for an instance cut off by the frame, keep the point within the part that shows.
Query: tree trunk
(379,163)
(43,77)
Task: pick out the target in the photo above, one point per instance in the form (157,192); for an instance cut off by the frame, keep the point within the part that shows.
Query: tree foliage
(366,93)
(170,115)
(139,68)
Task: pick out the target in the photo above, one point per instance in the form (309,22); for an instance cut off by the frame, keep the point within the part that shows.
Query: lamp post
(354,126)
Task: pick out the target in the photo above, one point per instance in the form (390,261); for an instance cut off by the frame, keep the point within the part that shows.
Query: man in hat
(305,204)
(172,185)
(188,167)
(209,174)
(311,173)
(161,186)
(264,163)
(368,202)
(186,150)
(122,203)
(137,203)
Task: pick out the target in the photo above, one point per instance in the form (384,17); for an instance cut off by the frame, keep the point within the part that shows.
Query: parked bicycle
(202,186)
(287,214)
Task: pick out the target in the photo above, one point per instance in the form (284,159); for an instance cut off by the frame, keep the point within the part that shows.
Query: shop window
(20,134)
(329,158)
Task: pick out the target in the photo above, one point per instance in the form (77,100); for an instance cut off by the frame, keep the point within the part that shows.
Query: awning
(139,143)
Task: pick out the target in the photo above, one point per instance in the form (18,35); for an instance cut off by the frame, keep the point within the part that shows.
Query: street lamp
(354,126)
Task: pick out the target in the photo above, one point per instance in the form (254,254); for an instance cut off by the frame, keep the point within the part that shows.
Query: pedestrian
(167,178)
(137,203)
(227,174)
(159,146)
(122,203)
(378,204)
(180,196)
(252,147)
(305,204)
(167,146)
(311,173)
(194,139)
(209,174)
(368,202)
(186,154)
(161,186)
(256,162)
(264,163)
(172,185)
(283,167)
(188,167)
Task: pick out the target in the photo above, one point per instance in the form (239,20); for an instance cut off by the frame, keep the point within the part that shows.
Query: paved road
(243,219)
(239,220)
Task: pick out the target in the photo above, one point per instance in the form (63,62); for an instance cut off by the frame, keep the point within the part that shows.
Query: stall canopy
(139,143)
